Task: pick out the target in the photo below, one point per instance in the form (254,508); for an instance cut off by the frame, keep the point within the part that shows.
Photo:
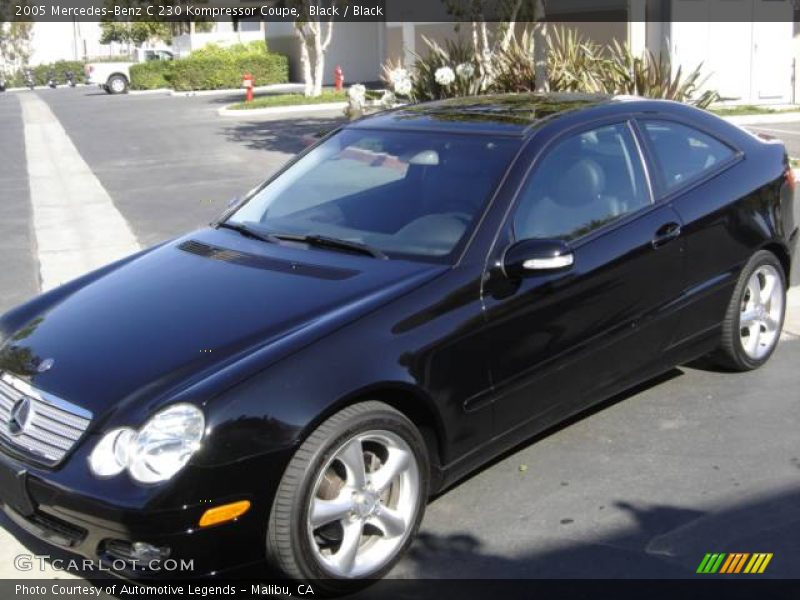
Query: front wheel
(754,319)
(351,499)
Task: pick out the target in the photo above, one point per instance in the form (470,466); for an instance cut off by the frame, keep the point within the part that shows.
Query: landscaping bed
(290,100)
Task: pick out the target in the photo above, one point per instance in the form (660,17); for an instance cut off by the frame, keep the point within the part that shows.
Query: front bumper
(101,519)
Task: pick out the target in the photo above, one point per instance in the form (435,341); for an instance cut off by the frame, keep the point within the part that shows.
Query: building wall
(357,47)
(66,41)
(599,32)
(748,60)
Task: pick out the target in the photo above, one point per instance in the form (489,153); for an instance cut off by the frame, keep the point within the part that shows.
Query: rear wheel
(117,84)
(755,314)
(351,499)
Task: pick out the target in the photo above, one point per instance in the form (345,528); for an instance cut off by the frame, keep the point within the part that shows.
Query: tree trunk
(540,49)
(305,64)
(319,73)
(319,63)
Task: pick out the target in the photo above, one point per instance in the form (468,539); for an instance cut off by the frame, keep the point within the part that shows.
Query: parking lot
(698,461)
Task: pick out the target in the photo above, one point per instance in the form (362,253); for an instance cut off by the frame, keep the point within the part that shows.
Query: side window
(584,182)
(682,152)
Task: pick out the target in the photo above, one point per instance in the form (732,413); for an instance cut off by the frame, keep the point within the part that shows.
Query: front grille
(52,426)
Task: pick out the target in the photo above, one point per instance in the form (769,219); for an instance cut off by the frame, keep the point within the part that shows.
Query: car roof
(514,115)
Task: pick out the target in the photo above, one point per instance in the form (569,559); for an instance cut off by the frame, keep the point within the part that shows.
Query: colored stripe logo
(734,563)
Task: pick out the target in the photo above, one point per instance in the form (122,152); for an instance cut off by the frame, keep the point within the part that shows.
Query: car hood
(187,308)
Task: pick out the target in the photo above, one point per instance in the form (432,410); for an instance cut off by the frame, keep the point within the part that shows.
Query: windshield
(413,194)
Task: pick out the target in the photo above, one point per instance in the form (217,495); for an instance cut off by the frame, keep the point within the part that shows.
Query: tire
(117,84)
(319,474)
(739,350)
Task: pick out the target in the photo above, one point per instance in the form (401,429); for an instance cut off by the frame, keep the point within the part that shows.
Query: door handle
(666,233)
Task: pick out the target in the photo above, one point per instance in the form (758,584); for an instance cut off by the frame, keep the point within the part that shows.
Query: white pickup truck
(115,77)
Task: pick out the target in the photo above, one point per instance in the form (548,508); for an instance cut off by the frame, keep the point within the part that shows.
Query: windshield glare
(404,193)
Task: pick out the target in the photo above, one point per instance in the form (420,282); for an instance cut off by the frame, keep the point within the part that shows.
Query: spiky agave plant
(513,67)
(575,63)
(652,76)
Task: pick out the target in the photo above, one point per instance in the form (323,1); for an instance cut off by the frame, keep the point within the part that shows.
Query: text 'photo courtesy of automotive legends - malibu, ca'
(410,297)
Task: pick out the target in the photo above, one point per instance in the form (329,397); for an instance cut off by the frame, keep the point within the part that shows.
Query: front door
(559,340)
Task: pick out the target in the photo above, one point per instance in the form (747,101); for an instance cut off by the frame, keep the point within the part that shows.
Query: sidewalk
(791,325)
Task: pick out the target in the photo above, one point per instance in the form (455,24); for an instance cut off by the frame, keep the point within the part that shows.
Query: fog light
(226,512)
(144,552)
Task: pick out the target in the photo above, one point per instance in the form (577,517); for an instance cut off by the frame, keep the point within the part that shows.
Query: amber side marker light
(224,513)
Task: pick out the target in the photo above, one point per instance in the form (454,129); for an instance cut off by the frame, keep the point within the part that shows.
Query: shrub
(212,67)
(58,69)
(575,64)
(446,71)
(151,75)
(448,58)
(653,77)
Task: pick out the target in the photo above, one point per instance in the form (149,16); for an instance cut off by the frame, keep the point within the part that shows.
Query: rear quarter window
(683,153)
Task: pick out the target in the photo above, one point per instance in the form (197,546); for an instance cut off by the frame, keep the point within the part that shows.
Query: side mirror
(528,257)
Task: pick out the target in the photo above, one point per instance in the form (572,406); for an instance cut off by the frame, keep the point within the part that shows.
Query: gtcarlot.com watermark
(44,562)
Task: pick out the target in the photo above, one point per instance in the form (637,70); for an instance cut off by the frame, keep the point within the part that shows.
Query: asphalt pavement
(643,486)
(788,132)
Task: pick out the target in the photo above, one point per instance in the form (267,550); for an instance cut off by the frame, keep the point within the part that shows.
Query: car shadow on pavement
(663,542)
(281,135)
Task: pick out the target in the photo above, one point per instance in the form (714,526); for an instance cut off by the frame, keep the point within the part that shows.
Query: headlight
(161,448)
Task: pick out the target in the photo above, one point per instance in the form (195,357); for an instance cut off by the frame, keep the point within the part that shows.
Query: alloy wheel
(363,504)
(761,312)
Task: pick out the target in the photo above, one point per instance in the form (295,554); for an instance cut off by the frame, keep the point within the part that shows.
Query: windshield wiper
(322,241)
(246,231)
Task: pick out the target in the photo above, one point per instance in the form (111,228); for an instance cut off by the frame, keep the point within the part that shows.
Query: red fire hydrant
(338,78)
(248,83)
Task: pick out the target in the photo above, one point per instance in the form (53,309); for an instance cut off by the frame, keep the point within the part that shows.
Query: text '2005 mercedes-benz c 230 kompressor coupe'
(415,294)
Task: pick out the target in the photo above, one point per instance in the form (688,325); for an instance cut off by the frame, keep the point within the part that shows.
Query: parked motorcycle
(51,79)
(69,78)
(2,83)
(29,82)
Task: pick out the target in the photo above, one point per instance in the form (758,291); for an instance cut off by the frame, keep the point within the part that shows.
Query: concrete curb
(791,324)
(44,87)
(163,91)
(277,88)
(784,117)
(280,110)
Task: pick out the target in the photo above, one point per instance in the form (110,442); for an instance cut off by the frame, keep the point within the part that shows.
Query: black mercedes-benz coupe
(415,294)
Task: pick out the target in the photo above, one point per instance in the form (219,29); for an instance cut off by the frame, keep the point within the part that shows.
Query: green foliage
(576,64)
(151,75)
(654,77)
(290,100)
(136,32)
(58,69)
(454,53)
(212,68)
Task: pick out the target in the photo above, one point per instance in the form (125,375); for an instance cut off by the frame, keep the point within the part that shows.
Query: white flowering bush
(361,101)
(356,101)
(465,70)
(444,76)
(388,100)
(446,71)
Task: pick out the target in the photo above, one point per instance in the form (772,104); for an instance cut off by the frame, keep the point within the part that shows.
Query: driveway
(697,461)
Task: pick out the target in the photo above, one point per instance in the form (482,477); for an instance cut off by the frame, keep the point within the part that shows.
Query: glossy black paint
(271,339)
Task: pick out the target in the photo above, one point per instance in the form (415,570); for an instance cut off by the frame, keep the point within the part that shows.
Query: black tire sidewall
(379,420)
(759,260)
